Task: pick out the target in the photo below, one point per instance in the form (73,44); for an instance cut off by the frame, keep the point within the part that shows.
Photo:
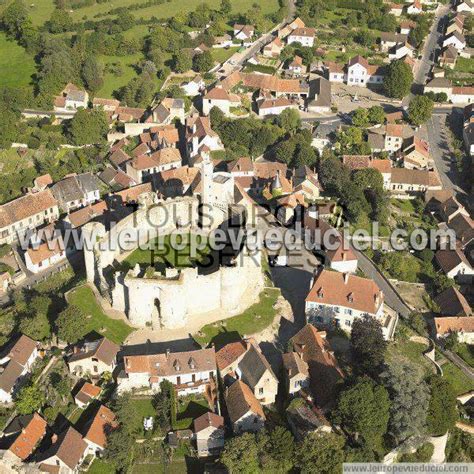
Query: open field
(16,65)
(114,329)
(169,8)
(466,352)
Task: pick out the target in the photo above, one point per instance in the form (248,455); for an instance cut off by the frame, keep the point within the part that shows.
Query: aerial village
(159,359)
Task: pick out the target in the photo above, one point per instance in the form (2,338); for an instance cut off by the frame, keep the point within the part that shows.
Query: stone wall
(167,302)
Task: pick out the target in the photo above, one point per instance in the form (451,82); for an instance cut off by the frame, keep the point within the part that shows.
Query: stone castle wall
(159,302)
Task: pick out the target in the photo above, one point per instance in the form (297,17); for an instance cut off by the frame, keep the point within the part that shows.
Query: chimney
(343,256)
(346,278)
(167,353)
(54,438)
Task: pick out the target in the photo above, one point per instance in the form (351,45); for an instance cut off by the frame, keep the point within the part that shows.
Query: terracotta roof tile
(445,325)
(103,421)
(29,437)
(240,400)
(208,419)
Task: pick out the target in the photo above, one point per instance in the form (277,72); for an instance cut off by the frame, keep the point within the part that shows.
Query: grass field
(169,8)
(188,410)
(465,65)
(466,352)
(256,318)
(100,467)
(164,251)
(221,55)
(460,382)
(16,65)
(114,329)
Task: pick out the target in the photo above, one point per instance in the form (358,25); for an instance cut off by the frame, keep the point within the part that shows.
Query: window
(260,391)
(96,369)
(348,323)
(348,311)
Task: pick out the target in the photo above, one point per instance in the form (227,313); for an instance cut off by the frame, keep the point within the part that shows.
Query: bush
(422,454)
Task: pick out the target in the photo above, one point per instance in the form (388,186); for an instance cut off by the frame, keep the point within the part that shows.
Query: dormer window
(177,365)
(350,297)
(320,293)
(192,363)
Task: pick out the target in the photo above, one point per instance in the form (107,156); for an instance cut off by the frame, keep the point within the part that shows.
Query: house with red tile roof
(357,72)
(189,371)
(97,429)
(220,98)
(455,265)
(24,434)
(416,153)
(463,326)
(245,411)
(86,393)
(338,299)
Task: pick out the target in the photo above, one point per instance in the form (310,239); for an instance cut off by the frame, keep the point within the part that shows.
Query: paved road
(425,64)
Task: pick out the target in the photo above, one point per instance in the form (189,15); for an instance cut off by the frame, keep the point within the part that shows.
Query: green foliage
(363,410)
(203,62)
(442,413)
(88,127)
(164,403)
(360,118)
(422,454)
(409,395)
(93,74)
(400,265)
(182,61)
(272,451)
(119,448)
(460,446)
(15,18)
(36,326)
(139,92)
(398,79)
(420,109)
(30,399)
(59,22)
(376,114)
(70,324)
(451,341)
(289,120)
(322,453)
(368,345)
(418,323)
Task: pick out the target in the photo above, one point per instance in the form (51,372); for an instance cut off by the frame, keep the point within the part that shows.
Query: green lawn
(170,8)
(16,65)
(460,382)
(413,351)
(221,55)
(465,65)
(101,467)
(164,251)
(404,205)
(189,408)
(256,318)
(466,352)
(114,329)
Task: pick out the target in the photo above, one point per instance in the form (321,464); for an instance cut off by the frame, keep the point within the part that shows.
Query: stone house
(389,40)
(273,49)
(296,372)
(168,110)
(245,412)
(338,299)
(93,358)
(86,394)
(451,302)
(304,418)
(17,365)
(455,265)
(415,8)
(45,255)
(455,39)
(393,137)
(143,167)
(189,372)
(220,98)
(243,32)
(76,191)
(462,326)
(71,99)
(462,95)
(313,348)
(209,434)
(358,72)
(22,436)
(406,182)
(465,6)
(243,360)
(96,430)
(26,213)
(416,153)
(66,453)
(200,135)
(304,36)
(194,87)
(274,105)
(108,105)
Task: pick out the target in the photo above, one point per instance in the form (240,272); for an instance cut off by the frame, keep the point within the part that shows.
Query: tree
(9,128)
(322,453)
(30,399)
(285,151)
(420,109)
(88,127)
(280,448)
(225,7)
(368,345)
(451,341)
(418,323)
(59,22)
(70,324)
(165,405)
(305,155)
(93,74)
(364,410)
(360,118)
(14,18)
(376,114)
(240,454)
(442,412)
(398,79)
(333,174)
(409,395)
(36,326)
(118,449)
(289,120)
(182,61)
(203,62)
(368,178)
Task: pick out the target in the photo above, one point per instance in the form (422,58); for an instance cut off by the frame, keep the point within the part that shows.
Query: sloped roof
(103,349)
(253,365)
(69,447)
(208,419)
(229,353)
(240,400)
(29,437)
(454,324)
(103,421)
(452,302)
